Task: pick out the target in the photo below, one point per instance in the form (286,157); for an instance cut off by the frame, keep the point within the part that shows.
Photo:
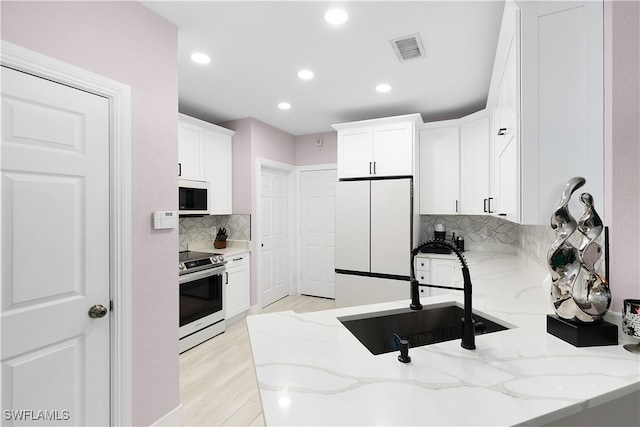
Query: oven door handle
(190,277)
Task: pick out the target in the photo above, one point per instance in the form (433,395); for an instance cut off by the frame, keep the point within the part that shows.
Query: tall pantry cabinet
(377,219)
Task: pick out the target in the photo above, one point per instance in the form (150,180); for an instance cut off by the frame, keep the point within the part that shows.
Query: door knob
(97,311)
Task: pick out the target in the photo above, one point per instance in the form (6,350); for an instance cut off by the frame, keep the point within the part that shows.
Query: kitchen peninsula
(312,371)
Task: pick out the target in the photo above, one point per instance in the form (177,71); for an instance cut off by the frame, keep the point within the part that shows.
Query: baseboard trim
(172,419)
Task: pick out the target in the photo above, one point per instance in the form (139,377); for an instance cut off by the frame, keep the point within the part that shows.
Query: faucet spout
(468,323)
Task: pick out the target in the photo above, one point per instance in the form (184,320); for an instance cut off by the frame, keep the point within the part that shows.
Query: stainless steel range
(201,297)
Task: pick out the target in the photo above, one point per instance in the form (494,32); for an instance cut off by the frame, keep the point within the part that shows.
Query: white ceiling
(258,47)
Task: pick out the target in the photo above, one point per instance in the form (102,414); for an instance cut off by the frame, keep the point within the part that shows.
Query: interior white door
(275,239)
(317,231)
(55,253)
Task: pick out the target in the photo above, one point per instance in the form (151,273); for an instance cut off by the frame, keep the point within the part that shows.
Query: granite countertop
(312,371)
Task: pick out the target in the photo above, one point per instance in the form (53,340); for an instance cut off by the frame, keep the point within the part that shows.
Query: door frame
(299,169)
(119,95)
(289,170)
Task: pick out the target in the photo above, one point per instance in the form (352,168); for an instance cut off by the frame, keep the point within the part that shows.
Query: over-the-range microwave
(193,197)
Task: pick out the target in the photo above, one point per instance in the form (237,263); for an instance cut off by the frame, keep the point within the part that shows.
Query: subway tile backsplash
(205,228)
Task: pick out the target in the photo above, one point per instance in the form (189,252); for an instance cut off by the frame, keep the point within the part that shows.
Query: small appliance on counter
(440,232)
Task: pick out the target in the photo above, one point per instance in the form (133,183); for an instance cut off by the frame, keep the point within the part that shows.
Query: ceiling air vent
(408,48)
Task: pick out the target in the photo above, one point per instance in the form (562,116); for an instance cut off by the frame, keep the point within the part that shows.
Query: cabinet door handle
(374,168)
(227,277)
(484,206)
(179,169)
(456,206)
(490,199)
(370,168)
(502,131)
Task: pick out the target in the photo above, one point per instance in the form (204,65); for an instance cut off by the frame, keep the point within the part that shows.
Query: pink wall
(272,143)
(622,147)
(241,170)
(255,139)
(125,41)
(308,153)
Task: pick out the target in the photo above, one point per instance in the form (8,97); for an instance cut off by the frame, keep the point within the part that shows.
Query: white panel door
(317,232)
(391,226)
(352,238)
(275,240)
(55,253)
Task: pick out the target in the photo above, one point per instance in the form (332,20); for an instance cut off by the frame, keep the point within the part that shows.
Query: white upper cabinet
(205,155)
(393,148)
(190,151)
(474,167)
(218,162)
(378,148)
(355,152)
(454,166)
(546,101)
(562,104)
(439,170)
(504,102)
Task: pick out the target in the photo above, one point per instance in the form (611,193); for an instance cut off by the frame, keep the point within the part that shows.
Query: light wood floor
(217,380)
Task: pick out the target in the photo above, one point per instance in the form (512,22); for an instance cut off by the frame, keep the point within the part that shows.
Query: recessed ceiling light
(383,87)
(336,16)
(200,58)
(305,74)
(284,106)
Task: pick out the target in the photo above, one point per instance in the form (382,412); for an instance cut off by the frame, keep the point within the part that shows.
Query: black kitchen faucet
(468,324)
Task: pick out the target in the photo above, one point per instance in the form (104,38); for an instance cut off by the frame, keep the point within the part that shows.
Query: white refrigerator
(375,228)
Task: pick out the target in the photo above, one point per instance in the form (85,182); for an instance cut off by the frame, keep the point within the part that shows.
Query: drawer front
(237,261)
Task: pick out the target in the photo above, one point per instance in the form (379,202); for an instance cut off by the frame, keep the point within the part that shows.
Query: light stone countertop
(312,371)
(234,247)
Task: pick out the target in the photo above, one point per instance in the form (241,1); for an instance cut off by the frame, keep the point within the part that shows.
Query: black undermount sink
(377,331)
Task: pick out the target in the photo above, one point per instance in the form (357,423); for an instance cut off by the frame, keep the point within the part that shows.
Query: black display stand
(582,334)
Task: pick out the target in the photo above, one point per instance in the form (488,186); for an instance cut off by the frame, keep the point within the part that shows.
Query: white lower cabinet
(435,269)
(238,278)
(444,272)
(423,274)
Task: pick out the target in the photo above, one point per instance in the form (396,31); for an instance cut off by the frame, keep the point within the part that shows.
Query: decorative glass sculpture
(578,292)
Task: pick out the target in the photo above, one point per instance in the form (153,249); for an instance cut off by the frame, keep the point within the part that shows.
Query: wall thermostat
(165,219)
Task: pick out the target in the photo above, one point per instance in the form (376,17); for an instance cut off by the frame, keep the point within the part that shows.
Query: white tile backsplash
(195,229)
(534,240)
